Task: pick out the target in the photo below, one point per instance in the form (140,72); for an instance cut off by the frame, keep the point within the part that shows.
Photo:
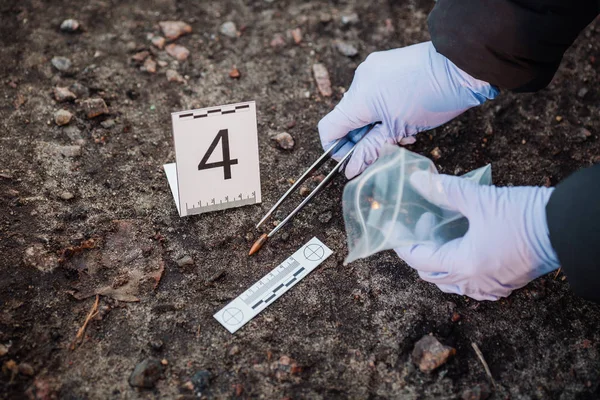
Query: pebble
(584,133)
(79,89)
(62,64)
(173,76)
(326,217)
(3,350)
(348,19)
(159,42)
(164,362)
(436,153)
(322,79)
(62,94)
(178,52)
(429,353)
(582,92)
(478,392)
(156,345)
(284,140)
(278,41)
(62,117)
(346,48)
(70,25)
(234,350)
(109,123)
(229,29)
(173,29)
(140,56)
(146,373)
(234,73)
(26,369)
(296,35)
(304,191)
(70,151)
(185,260)
(36,256)
(201,380)
(94,107)
(67,196)
(455,317)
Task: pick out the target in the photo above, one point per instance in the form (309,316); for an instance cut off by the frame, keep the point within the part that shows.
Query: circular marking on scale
(314,252)
(233,316)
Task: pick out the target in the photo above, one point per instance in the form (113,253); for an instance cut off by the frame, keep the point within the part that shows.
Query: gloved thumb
(431,258)
(367,150)
(445,191)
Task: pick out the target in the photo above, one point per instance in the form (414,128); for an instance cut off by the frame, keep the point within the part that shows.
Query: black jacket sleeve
(573,215)
(513,44)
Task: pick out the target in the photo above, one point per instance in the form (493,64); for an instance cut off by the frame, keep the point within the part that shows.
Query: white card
(216,154)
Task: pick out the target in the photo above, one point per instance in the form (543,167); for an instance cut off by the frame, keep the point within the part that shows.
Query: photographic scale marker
(273,285)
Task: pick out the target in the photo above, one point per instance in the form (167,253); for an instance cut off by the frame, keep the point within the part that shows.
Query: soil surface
(85,208)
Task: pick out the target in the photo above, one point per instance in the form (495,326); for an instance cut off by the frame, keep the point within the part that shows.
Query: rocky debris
(156,345)
(455,317)
(94,107)
(158,42)
(326,217)
(429,353)
(26,369)
(350,19)
(234,73)
(140,56)
(62,117)
(436,153)
(63,64)
(284,367)
(146,373)
(62,94)
(149,66)
(79,90)
(582,92)
(235,349)
(173,29)
(229,29)
(36,256)
(173,76)
(304,191)
(284,140)
(108,124)
(346,48)
(278,41)
(478,392)
(185,261)
(70,25)
(178,52)
(3,350)
(70,151)
(201,380)
(583,134)
(296,35)
(66,196)
(164,362)
(44,388)
(322,79)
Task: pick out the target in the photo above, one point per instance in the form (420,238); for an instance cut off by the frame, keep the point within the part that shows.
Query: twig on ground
(557,272)
(485,365)
(93,312)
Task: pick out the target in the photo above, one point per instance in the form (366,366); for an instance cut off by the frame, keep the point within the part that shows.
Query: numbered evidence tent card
(216,154)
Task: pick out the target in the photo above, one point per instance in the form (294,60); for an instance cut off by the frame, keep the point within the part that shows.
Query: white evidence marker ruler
(273,285)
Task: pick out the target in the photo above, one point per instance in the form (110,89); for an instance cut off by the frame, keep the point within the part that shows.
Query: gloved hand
(506,246)
(409,90)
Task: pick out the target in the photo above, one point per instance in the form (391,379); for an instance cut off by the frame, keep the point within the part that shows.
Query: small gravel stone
(94,107)
(79,89)
(326,217)
(159,42)
(235,349)
(284,140)
(173,76)
(234,73)
(62,64)
(278,41)
(70,151)
(322,79)
(436,153)
(146,373)
(67,196)
(140,56)
(583,134)
(429,353)
(201,380)
(178,52)
(26,369)
(62,117)
(582,92)
(108,124)
(304,191)
(149,66)
(3,350)
(70,25)
(296,35)
(156,345)
(36,256)
(229,29)
(346,48)
(62,94)
(478,392)
(349,19)
(173,29)
(185,260)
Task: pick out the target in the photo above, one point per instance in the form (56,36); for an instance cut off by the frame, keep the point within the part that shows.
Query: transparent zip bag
(383,211)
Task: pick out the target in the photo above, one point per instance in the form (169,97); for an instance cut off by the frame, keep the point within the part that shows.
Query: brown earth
(100,217)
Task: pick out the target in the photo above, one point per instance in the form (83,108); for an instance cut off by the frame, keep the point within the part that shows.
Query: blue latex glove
(506,246)
(409,90)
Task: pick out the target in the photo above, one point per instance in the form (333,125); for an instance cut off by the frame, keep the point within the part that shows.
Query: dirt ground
(86,208)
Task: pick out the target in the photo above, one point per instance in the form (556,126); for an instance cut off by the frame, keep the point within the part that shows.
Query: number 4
(227,162)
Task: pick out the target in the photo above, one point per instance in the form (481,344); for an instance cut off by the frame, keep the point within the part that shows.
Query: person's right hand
(410,90)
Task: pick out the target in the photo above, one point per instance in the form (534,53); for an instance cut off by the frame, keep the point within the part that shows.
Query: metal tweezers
(359,133)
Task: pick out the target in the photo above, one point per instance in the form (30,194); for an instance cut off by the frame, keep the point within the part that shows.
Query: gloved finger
(425,225)
(344,118)
(338,155)
(349,140)
(431,258)
(367,150)
(445,191)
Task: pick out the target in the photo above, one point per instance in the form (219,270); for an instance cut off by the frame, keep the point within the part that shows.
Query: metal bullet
(258,244)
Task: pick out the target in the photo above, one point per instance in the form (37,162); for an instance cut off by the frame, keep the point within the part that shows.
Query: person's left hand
(506,246)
